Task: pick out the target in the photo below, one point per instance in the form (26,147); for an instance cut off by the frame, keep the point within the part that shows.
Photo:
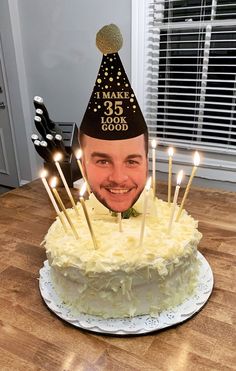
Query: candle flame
(53,182)
(43,174)
(78,154)
(179,177)
(154,143)
(83,189)
(196,159)
(57,157)
(148,184)
(170,151)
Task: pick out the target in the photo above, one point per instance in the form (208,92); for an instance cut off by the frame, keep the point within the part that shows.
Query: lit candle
(120,222)
(45,183)
(196,162)
(57,158)
(170,153)
(82,191)
(59,200)
(78,156)
(177,188)
(147,188)
(154,144)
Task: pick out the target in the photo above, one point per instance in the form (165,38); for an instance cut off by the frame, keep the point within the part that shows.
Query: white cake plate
(135,325)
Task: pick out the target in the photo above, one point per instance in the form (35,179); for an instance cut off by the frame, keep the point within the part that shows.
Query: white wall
(17,126)
(58,58)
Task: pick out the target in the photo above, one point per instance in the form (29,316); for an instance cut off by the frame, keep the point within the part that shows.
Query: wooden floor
(33,338)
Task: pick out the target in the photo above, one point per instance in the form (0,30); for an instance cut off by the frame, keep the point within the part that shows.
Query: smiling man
(113,132)
(116,170)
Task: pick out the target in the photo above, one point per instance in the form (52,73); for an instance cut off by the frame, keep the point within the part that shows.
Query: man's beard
(102,200)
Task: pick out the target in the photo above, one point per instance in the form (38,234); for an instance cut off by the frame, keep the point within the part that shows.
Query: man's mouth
(118,191)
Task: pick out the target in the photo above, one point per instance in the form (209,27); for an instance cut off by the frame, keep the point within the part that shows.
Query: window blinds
(191,73)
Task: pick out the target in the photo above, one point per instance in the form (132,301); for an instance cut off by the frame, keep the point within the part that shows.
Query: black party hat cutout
(113,112)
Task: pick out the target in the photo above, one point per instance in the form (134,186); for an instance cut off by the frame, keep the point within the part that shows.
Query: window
(189,81)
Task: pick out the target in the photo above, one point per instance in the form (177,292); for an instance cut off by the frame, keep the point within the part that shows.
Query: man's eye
(132,163)
(102,162)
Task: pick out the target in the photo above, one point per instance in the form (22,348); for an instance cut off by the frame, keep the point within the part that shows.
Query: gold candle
(147,188)
(59,200)
(45,183)
(78,156)
(57,158)
(170,153)
(82,191)
(120,222)
(196,162)
(154,144)
(177,188)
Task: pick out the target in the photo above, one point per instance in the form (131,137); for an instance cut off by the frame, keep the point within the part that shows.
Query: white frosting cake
(120,278)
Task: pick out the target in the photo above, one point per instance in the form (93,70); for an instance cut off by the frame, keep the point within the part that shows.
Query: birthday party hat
(113,112)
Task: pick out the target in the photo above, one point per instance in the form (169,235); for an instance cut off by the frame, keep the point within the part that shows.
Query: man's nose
(118,175)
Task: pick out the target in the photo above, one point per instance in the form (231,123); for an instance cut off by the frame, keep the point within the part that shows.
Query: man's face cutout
(116,170)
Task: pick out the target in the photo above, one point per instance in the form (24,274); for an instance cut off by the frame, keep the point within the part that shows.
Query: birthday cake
(110,267)
(121,278)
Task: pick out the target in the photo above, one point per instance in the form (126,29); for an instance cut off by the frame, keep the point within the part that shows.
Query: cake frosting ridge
(121,278)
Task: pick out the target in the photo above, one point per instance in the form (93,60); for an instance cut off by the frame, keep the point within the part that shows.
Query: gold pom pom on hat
(109,39)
